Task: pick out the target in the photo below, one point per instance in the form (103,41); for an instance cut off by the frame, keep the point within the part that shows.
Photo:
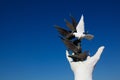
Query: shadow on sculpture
(80,61)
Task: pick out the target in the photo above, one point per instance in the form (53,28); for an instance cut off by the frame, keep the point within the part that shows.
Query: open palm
(83,69)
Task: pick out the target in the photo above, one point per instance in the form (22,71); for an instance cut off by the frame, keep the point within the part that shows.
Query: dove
(80,31)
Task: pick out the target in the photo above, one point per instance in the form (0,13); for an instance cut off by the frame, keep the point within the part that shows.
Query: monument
(80,61)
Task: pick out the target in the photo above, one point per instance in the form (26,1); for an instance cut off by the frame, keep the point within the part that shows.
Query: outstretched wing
(74,22)
(80,26)
(62,31)
(69,44)
(70,26)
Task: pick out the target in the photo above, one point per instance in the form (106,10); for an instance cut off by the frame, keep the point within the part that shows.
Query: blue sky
(31,50)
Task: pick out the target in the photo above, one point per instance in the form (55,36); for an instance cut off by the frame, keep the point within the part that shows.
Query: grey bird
(74,22)
(71,26)
(65,33)
(71,46)
(80,57)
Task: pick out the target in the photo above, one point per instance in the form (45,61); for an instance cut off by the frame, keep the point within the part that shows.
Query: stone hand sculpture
(83,69)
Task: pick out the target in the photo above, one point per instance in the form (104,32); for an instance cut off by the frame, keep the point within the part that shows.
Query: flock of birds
(72,38)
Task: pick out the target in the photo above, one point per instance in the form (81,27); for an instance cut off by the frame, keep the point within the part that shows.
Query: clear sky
(31,50)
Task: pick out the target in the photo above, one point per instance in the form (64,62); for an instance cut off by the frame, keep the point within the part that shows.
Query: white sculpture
(83,69)
(81,63)
(80,30)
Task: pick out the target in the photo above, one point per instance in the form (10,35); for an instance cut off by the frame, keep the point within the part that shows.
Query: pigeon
(71,46)
(80,57)
(80,32)
(65,33)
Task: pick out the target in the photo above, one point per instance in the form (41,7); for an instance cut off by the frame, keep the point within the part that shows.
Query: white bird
(80,31)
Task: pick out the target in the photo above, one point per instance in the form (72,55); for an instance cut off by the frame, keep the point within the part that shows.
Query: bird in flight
(73,46)
(71,26)
(76,29)
(65,33)
(78,55)
(80,31)
(72,38)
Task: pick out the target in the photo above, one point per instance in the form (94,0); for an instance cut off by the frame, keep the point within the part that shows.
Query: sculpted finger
(68,58)
(96,57)
(100,50)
